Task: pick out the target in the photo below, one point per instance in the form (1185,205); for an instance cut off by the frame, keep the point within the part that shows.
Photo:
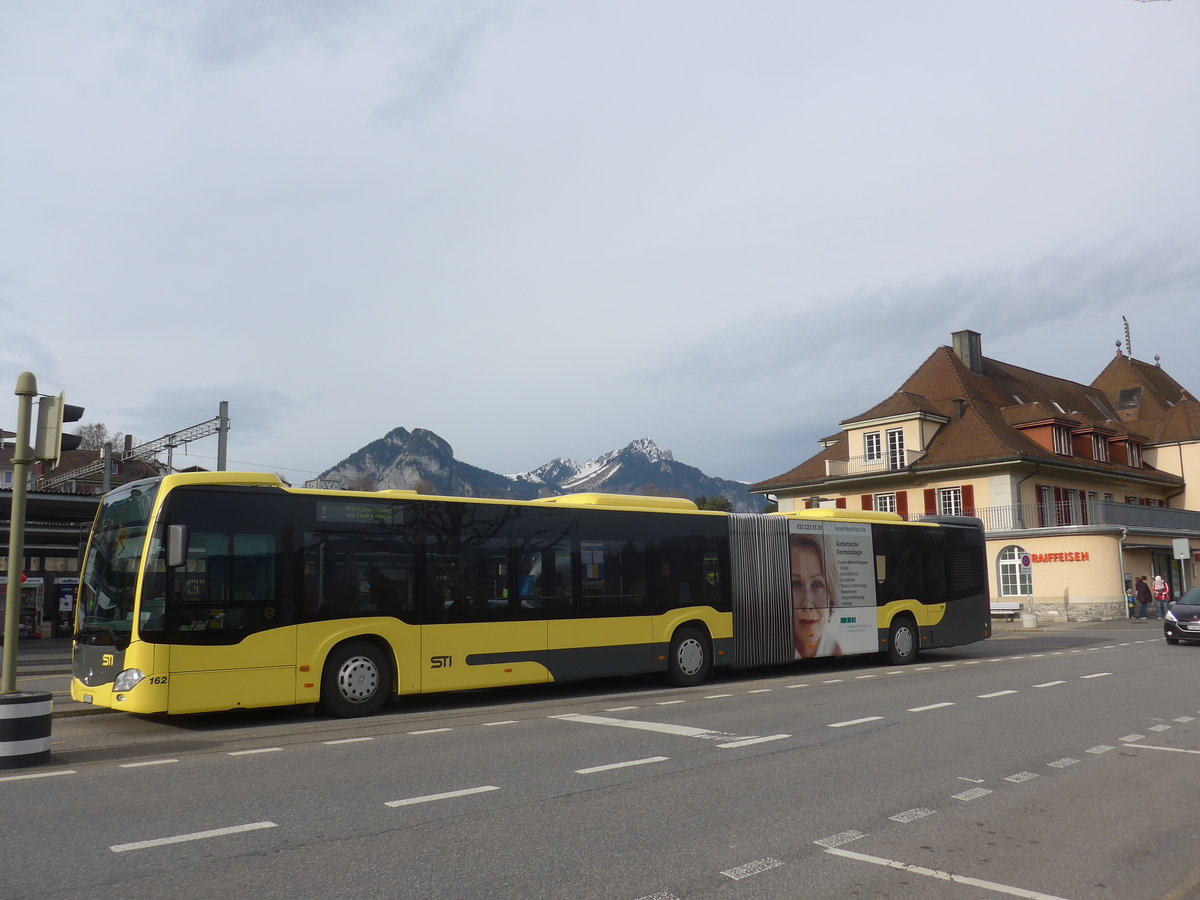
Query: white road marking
(722,696)
(943,876)
(1020,777)
(429,731)
(972,780)
(622,765)
(832,681)
(1062,763)
(1100,748)
(627,708)
(1168,749)
(252,752)
(911,815)
(149,762)
(356,740)
(38,775)
(669,702)
(1159,728)
(752,868)
(837,840)
(746,742)
(1049,684)
(1183,719)
(995,694)
(930,706)
(855,721)
(194,836)
(790,685)
(1132,737)
(448,795)
(864,677)
(501,722)
(662,727)
(760,691)
(973,794)
(1097,675)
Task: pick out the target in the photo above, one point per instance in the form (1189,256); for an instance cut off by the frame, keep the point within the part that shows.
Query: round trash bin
(1029,620)
(24,728)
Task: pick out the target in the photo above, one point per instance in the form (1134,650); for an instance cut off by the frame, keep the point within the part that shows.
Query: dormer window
(1062,439)
(1099,448)
(873,447)
(1129,398)
(1133,454)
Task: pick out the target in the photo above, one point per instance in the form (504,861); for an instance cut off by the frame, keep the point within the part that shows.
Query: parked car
(1183,618)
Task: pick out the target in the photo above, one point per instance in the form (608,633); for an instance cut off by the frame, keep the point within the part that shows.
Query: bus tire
(690,658)
(355,681)
(903,641)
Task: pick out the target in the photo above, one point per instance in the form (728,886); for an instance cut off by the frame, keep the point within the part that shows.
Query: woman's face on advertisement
(810,599)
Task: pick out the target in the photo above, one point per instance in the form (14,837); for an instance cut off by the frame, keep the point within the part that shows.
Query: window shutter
(968,499)
(930,501)
(868,502)
(902,503)
(839,503)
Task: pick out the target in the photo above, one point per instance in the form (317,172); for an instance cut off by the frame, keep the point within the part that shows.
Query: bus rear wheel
(690,658)
(903,641)
(355,681)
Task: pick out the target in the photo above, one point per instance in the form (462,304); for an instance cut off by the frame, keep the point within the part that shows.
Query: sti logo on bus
(440,662)
(107,659)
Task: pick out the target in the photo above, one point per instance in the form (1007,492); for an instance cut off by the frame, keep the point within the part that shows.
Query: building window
(1099,448)
(885,502)
(1133,454)
(1016,578)
(950,501)
(1129,398)
(1062,439)
(895,444)
(872,447)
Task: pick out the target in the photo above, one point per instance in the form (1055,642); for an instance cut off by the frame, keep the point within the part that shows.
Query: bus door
(226,617)
(610,630)
(483,625)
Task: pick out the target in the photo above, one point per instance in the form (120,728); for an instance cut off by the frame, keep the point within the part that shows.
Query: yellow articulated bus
(215,591)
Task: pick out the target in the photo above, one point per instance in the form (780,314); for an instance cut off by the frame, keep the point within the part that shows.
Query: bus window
(545,580)
(471,585)
(614,577)
(357,575)
(226,587)
(898,563)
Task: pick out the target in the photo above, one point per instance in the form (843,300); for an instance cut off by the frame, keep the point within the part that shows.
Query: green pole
(22,459)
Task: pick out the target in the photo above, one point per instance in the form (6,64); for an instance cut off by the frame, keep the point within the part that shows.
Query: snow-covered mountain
(422,460)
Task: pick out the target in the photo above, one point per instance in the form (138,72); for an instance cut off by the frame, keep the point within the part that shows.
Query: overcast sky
(546,229)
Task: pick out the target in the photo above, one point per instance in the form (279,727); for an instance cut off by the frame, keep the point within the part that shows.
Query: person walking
(1143,595)
(1162,595)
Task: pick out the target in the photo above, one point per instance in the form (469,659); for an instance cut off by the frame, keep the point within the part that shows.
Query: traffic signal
(50,441)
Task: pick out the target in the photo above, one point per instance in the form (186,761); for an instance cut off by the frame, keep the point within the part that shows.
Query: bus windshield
(106,595)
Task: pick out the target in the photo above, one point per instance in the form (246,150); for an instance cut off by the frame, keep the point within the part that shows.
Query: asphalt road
(1056,763)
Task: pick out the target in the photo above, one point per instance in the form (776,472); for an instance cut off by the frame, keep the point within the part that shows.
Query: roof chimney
(968,346)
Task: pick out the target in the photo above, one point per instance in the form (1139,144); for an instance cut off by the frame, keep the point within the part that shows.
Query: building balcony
(1063,515)
(871,465)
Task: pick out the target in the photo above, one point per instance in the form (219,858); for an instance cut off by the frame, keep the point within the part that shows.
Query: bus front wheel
(355,681)
(903,641)
(691,657)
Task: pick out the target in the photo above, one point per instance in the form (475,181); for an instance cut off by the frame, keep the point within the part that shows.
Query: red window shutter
(868,502)
(839,503)
(968,499)
(930,502)
(902,502)
(808,504)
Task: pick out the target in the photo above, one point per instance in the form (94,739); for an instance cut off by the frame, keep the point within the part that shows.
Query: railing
(865,465)
(1059,515)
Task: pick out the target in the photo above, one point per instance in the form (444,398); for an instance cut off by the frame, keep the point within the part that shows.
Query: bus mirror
(176,545)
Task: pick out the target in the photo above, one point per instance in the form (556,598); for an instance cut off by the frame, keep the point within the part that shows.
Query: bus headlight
(128,680)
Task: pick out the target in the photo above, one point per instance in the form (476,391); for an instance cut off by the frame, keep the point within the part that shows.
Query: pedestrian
(1162,595)
(1143,598)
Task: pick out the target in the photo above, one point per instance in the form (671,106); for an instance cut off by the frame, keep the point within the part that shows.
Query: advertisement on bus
(833,588)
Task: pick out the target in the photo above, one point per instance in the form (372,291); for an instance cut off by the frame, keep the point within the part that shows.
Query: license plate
(87,698)
(1192,626)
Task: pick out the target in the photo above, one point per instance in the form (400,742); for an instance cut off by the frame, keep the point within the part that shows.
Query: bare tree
(96,434)
(361,482)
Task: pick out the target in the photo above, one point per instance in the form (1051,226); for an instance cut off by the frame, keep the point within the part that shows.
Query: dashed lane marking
(942,876)
(930,706)
(448,795)
(752,868)
(746,742)
(622,765)
(911,815)
(861,721)
(194,836)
